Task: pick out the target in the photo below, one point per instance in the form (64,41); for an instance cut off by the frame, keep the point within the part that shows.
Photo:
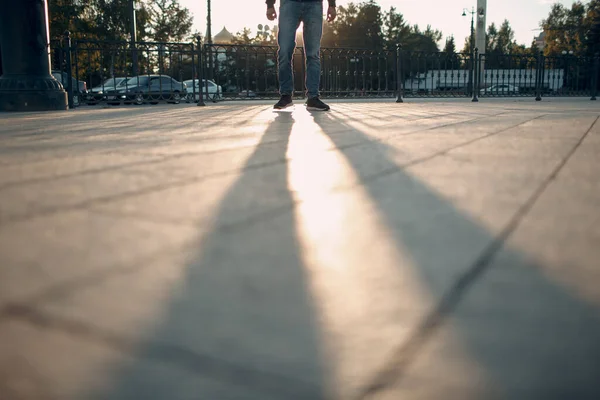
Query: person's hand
(271,14)
(331,14)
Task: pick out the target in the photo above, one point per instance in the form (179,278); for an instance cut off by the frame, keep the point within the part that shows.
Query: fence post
(246,71)
(67,37)
(596,73)
(304,70)
(538,76)
(475,69)
(194,73)
(200,72)
(399,74)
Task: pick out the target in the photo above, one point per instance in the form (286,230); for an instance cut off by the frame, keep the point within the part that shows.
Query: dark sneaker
(284,102)
(315,104)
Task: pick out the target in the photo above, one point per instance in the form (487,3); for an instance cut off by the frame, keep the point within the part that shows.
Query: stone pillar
(480,32)
(26,83)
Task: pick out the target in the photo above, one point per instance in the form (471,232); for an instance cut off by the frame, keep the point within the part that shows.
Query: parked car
(148,88)
(247,93)
(213,92)
(109,84)
(79,87)
(500,89)
(97,93)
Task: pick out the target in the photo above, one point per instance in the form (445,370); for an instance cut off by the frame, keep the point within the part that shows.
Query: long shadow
(242,325)
(532,337)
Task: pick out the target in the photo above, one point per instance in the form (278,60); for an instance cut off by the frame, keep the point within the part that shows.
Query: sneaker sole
(283,108)
(316,109)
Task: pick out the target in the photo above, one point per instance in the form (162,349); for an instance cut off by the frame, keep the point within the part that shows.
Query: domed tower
(223,37)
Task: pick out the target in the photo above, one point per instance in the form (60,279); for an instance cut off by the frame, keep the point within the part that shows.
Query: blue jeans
(291,13)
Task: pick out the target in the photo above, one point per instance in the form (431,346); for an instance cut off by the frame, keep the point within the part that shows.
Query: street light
(264,31)
(464,14)
(133,37)
(209,39)
(208,23)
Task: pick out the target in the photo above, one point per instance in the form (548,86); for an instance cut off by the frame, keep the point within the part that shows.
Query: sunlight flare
(365,286)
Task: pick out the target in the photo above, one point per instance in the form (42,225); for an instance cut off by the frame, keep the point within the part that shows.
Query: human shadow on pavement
(531,337)
(243,325)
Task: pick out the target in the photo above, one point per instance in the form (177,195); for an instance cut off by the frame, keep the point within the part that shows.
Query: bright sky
(445,15)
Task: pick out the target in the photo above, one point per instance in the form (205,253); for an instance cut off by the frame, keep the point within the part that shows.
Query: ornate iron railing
(195,72)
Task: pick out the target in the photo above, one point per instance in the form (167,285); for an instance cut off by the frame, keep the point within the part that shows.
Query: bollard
(539,76)
(475,69)
(399,74)
(595,76)
(69,65)
(200,72)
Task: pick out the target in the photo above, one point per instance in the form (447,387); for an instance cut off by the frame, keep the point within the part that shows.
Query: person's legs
(289,21)
(313,31)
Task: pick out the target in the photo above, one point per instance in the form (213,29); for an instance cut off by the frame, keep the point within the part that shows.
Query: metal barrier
(125,73)
(436,74)
(250,71)
(115,72)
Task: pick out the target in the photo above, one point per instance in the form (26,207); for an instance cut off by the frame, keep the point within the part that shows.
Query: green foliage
(450,47)
(169,22)
(365,25)
(159,20)
(67,15)
(574,29)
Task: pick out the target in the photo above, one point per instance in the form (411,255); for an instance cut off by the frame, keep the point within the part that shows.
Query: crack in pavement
(393,370)
(187,181)
(268,382)
(67,287)
(230,372)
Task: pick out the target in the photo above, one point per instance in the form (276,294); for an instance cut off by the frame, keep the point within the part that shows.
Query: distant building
(540,40)
(223,37)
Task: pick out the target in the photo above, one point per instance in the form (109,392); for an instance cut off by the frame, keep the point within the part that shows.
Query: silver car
(79,87)
(213,92)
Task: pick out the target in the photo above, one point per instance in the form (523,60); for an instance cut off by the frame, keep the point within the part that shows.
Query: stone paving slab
(422,250)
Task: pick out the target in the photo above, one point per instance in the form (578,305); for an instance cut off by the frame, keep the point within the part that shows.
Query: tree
(68,15)
(357,25)
(450,47)
(169,22)
(571,29)
(396,30)
(592,22)
(110,20)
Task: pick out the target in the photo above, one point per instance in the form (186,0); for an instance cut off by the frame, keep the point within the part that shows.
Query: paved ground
(426,250)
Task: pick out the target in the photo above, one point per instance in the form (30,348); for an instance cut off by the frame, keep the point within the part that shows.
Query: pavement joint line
(260,217)
(60,290)
(188,181)
(393,370)
(67,288)
(225,371)
(183,182)
(163,157)
(116,150)
(274,212)
(83,143)
(367,180)
(43,212)
(393,136)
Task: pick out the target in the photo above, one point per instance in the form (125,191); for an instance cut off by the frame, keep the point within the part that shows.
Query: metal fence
(124,73)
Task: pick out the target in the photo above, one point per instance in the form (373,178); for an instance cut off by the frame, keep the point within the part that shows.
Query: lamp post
(208,23)
(471,43)
(263,32)
(472,36)
(133,37)
(209,39)
(566,81)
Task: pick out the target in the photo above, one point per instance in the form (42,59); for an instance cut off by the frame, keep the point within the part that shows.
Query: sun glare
(355,274)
